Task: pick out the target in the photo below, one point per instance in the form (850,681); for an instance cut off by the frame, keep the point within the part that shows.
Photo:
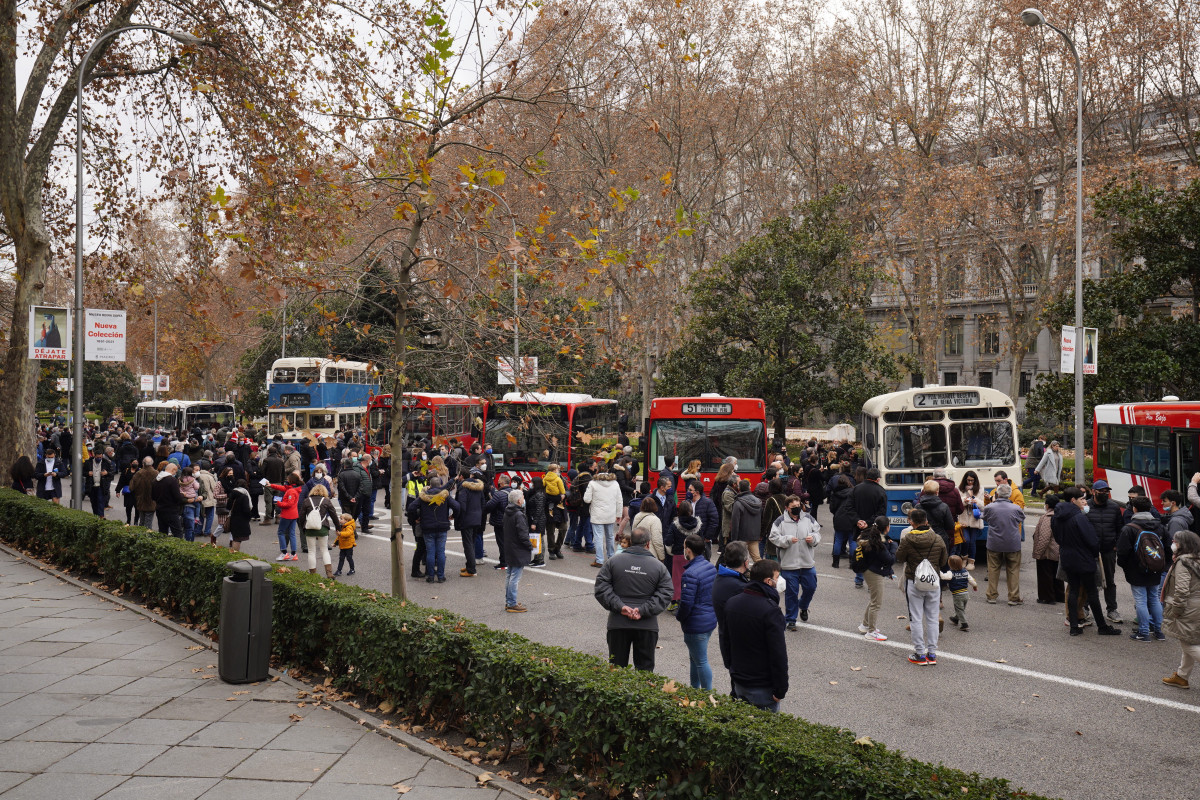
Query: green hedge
(617,730)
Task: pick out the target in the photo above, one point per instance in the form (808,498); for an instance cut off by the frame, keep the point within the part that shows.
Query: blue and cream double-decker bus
(316,397)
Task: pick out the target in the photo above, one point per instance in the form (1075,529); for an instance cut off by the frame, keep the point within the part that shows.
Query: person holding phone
(49,473)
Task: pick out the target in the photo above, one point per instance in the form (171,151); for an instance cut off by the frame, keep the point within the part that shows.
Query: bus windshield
(982,444)
(281,421)
(914,446)
(525,435)
(710,442)
(418,424)
(381,424)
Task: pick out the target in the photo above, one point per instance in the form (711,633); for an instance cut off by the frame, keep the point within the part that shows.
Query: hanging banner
(147,383)
(1090,351)
(49,333)
(529,371)
(103,335)
(64,384)
(164,383)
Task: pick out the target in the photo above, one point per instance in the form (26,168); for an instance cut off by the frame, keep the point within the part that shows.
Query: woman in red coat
(289,511)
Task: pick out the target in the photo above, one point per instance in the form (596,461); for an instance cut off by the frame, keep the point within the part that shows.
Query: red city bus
(528,431)
(1152,445)
(427,415)
(708,428)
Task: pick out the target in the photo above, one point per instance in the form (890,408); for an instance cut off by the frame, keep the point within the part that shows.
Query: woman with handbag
(970,521)
(319,517)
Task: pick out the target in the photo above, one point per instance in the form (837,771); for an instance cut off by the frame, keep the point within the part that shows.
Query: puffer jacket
(435,508)
(471,498)
(696,613)
(493,509)
(1181,604)
(799,554)
(553,484)
(1127,542)
(845,518)
(603,497)
(1107,520)
(678,531)
(535,506)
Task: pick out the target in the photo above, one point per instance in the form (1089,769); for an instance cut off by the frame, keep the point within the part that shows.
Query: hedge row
(617,730)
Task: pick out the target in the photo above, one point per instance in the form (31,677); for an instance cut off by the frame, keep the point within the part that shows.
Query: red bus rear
(1152,445)
(427,415)
(708,429)
(529,431)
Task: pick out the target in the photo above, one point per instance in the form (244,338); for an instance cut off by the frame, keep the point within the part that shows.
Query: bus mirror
(869,440)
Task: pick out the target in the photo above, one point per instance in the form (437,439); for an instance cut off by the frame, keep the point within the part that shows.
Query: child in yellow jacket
(345,543)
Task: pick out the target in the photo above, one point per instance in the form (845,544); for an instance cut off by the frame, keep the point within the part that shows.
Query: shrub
(617,730)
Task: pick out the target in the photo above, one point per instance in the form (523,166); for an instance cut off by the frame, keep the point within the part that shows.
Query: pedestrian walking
(1181,605)
(240,511)
(635,588)
(517,548)
(696,614)
(960,580)
(873,560)
(795,536)
(129,499)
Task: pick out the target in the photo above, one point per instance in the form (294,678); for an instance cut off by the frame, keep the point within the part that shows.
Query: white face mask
(1174,547)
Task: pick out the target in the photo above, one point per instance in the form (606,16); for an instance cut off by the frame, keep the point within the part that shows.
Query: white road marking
(942,655)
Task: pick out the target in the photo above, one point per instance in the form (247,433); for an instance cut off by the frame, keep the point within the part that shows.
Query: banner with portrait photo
(49,333)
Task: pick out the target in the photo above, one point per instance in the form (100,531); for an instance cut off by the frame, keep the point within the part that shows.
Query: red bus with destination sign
(427,415)
(708,429)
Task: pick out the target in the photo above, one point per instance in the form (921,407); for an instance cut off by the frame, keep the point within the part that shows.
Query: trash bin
(245,626)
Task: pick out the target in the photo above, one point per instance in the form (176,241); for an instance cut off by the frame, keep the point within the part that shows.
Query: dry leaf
(1001,660)
(295,717)
(230,699)
(274,678)
(856,669)
(670,687)
(1129,708)
(196,647)
(401,788)
(385,707)
(484,777)
(864,741)
(833,683)
(1037,695)
(1079,733)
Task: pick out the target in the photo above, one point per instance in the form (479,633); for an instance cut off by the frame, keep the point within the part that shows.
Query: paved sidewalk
(100,701)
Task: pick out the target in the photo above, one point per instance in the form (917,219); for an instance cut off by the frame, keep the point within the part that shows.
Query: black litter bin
(245,627)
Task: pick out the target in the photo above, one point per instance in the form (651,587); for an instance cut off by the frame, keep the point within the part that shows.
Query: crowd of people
(722,560)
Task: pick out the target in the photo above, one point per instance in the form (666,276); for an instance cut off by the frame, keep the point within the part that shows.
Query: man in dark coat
(469,519)
(731,580)
(754,624)
(272,470)
(1078,548)
(1107,517)
(169,501)
(635,587)
(98,473)
(515,544)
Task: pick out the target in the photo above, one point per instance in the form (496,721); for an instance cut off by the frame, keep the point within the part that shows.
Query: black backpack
(1150,551)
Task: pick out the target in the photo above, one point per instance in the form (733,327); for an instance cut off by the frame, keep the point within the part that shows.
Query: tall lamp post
(77,455)
(1032,17)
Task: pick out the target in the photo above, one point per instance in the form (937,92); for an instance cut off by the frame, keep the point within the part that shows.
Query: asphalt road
(1016,697)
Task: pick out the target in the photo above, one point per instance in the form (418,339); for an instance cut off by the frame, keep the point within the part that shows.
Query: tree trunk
(18,389)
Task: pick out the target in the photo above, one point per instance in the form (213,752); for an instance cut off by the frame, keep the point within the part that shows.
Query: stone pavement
(98,700)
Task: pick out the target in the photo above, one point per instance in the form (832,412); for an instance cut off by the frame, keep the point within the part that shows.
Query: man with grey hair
(516,548)
(1005,521)
(635,587)
(948,493)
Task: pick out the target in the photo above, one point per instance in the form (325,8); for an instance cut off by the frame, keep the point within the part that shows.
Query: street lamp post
(1032,17)
(77,455)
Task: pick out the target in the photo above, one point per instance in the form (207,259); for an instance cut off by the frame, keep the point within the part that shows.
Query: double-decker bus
(183,415)
(708,429)
(317,397)
(529,431)
(427,415)
(908,434)
(1152,445)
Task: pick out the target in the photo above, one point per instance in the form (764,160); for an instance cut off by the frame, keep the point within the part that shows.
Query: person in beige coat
(1181,605)
(647,518)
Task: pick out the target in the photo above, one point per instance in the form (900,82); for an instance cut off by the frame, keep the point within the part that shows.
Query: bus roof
(319,362)
(911,399)
(432,396)
(551,397)
(179,404)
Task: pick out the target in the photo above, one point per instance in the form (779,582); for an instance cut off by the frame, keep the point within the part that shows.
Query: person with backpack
(873,560)
(925,557)
(1141,554)
(319,517)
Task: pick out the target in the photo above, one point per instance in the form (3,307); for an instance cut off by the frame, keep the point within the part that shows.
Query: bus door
(1187,458)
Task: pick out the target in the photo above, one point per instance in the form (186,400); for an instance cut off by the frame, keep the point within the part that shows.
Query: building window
(949,379)
(953,345)
(918,380)
(985,380)
(989,337)
(1026,384)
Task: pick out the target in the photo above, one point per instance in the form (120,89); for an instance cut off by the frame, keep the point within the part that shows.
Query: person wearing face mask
(758,653)
(796,535)
(1143,581)
(1107,517)
(696,614)
(1181,605)
(1078,547)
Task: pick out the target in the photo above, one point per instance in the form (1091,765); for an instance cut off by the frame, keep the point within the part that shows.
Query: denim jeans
(510,585)
(607,544)
(189,521)
(479,551)
(801,584)
(287,535)
(701,671)
(967,548)
(858,577)
(572,529)
(1148,606)
(366,510)
(99,500)
(208,515)
(757,696)
(585,531)
(435,554)
(146,519)
(840,540)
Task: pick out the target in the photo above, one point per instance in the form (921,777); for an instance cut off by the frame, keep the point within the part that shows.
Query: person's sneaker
(1138,637)
(281,557)
(859,584)
(1176,680)
(991,601)
(791,626)
(441,579)
(351,572)
(673,606)
(916,658)
(338,574)
(1086,621)
(1077,631)
(964,627)
(954,620)
(931,658)
(875,636)
(499,566)
(430,579)
(1109,630)
(1158,636)
(537,564)
(863,628)
(516,609)
(804,615)
(1016,602)
(1114,618)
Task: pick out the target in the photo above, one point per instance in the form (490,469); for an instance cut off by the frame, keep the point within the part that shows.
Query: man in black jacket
(730,581)
(169,501)
(635,587)
(758,652)
(1078,547)
(272,470)
(869,501)
(1107,517)
(98,473)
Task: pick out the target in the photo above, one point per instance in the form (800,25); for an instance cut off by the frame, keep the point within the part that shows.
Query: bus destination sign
(298,400)
(945,399)
(702,409)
